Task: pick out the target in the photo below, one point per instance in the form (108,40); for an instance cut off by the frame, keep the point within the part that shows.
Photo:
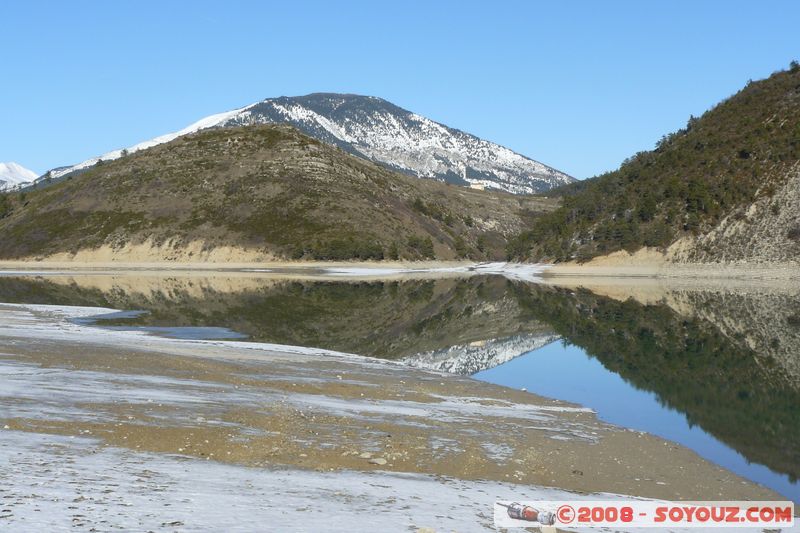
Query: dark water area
(716,369)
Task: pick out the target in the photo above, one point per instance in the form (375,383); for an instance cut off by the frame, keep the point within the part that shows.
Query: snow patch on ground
(55,483)
(61,393)
(58,483)
(516,271)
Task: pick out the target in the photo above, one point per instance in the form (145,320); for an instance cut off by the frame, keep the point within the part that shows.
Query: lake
(713,367)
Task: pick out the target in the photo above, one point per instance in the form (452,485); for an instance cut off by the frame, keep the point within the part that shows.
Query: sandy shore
(651,263)
(642,264)
(676,271)
(47,264)
(262,407)
(318,270)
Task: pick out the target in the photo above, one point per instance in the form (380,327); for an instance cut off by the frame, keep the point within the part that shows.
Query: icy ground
(52,482)
(55,483)
(515,271)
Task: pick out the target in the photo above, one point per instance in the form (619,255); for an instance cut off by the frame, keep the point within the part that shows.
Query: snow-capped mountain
(378,130)
(13,175)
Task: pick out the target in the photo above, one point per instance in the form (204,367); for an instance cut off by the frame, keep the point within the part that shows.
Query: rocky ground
(290,428)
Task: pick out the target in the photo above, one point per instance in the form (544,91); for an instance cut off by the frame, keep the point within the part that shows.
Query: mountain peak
(13,174)
(394,137)
(384,133)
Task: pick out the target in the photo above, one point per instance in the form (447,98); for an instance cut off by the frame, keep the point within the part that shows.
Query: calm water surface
(566,372)
(714,369)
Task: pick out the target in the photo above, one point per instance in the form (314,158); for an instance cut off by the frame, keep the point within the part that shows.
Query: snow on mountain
(387,134)
(468,359)
(380,131)
(204,123)
(13,175)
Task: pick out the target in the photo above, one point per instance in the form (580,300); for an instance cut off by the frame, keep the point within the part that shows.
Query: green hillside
(742,150)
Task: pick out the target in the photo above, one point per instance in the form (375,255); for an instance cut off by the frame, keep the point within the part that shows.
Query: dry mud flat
(110,429)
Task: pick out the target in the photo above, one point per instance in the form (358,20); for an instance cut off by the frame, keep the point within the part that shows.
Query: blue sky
(577,85)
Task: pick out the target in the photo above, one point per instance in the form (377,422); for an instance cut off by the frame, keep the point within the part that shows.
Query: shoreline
(669,271)
(341,270)
(653,263)
(621,266)
(252,266)
(254,405)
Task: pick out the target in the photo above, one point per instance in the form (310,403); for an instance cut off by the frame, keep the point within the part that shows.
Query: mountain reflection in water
(726,358)
(722,359)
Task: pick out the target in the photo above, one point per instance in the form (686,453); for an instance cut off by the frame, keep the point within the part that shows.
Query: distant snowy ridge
(208,122)
(382,132)
(13,176)
(468,359)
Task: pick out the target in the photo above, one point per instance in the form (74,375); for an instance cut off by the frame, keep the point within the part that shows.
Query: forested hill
(728,182)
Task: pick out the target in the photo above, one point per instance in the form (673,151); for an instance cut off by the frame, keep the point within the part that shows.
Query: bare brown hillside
(266,189)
